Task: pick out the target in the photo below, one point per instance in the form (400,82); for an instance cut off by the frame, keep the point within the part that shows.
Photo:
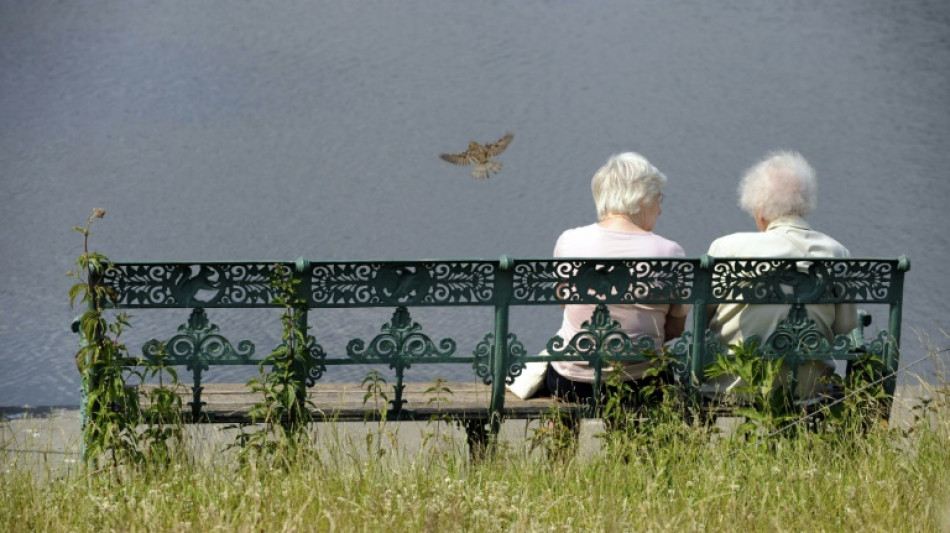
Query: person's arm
(846,319)
(674,327)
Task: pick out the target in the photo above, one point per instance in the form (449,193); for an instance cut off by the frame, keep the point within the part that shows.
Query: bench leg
(476,431)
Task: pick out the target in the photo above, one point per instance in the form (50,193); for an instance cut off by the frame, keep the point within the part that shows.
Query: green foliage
(682,485)
(112,412)
(556,436)
(865,402)
(284,410)
(656,414)
(162,418)
(375,386)
(759,396)
(376,390)
(439,394)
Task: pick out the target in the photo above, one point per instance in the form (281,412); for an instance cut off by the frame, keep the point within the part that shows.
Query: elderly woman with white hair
(627,193)
(778,193)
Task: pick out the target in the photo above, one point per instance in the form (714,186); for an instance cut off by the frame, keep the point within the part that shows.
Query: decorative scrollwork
(680,354)
(313,361)
(538,281)
(864,280)
(790,281)
(600,340)
(197,345)
(402,283)
(797,339)
(400,344)
(605,280)
(483,357)
(191,285)
(881,344)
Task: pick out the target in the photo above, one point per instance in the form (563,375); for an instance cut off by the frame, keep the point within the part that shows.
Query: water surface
(273,130)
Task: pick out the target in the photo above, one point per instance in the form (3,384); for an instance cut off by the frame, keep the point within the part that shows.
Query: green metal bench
(500,356)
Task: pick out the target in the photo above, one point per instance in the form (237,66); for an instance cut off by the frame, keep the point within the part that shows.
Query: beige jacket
(785,237)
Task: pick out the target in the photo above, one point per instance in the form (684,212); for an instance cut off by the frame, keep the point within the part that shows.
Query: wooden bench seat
(345,402)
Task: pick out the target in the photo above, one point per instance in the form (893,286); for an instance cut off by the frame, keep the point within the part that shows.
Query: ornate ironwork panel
(881,344)
(681,352)
(483,357)
(402,283)
(314,361)
(192,284)
(797,339)
(604,281)
(400,344)
(815,281)
(601,340)
(199,344)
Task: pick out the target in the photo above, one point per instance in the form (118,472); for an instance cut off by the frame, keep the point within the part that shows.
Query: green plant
(864,402)
(375,386)
(109,407)
(112,414)
(649,413)
(284,408)
(439,394)
(759,394)
(162,417)
(555,435)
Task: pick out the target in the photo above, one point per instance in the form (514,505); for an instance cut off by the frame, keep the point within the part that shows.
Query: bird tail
(480,171)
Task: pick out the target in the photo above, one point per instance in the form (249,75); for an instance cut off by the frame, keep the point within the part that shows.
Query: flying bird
(481,156)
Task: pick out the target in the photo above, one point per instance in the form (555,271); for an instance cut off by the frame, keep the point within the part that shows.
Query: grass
(884,480)
(663,475)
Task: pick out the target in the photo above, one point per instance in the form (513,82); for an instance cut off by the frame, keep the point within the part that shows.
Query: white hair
(623,184)
(782,184)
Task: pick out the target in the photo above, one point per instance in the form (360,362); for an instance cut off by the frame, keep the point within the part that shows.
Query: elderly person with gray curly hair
(778,193)
(627,192)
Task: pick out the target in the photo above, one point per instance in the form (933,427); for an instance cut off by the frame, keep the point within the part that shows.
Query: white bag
(531,379)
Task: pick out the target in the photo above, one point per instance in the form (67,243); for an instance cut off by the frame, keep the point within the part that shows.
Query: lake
(273,130)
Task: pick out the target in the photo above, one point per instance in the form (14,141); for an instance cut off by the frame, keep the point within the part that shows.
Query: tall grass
(881,480)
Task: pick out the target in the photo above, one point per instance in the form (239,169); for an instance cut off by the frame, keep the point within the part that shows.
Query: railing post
(90,381)
(703,288)
(891,348)
(504,280)
(83,391)
(302,296)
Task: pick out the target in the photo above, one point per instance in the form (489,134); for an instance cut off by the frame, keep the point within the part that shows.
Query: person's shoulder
(669,247)
(728,243)
(570,237)
(834,246)
(578,231)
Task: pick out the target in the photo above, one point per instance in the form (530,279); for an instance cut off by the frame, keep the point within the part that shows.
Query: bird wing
(499,146)
(463,158)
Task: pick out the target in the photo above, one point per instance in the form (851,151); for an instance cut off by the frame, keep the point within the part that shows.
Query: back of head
(621,185)
(782,184)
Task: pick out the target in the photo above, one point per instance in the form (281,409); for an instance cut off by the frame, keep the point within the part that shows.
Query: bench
(402,344)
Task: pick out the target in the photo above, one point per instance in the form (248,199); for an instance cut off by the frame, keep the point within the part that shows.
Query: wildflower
(98,212)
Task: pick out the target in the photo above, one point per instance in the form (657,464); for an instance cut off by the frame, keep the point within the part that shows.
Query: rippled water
(272,130)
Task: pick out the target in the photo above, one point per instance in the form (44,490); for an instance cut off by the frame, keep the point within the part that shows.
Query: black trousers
(581,392)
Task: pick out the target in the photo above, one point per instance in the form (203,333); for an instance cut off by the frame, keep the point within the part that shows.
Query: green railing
(505,282)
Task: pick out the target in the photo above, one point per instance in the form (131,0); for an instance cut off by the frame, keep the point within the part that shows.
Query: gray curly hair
(782,184)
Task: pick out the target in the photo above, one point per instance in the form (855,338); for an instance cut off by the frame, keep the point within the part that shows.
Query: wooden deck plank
(231,402)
